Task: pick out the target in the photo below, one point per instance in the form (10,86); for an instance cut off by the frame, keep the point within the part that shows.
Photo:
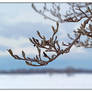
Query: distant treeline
(44,71)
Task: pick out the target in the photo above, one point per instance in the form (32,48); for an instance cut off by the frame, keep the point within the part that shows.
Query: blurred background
(18,22)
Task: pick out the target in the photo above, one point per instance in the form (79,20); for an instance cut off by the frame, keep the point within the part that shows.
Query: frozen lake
(46,81)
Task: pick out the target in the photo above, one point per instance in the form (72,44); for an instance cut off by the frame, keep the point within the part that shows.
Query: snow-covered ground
(46,81)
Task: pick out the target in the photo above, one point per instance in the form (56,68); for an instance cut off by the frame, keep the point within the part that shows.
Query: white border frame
(26,1)
(45,0)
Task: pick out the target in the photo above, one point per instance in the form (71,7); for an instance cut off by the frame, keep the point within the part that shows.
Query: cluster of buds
(50,45)
(84,31)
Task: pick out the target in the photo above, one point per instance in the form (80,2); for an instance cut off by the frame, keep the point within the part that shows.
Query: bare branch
(78,12)
(52,45)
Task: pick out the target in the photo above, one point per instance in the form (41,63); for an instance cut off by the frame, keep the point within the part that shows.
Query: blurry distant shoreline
(47,71)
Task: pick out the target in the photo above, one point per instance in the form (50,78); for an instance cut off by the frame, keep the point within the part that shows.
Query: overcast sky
(18,22)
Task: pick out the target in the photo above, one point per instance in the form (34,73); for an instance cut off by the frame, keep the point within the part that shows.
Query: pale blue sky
(18,22)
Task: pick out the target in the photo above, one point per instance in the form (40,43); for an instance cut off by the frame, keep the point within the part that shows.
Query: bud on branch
(51,45)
